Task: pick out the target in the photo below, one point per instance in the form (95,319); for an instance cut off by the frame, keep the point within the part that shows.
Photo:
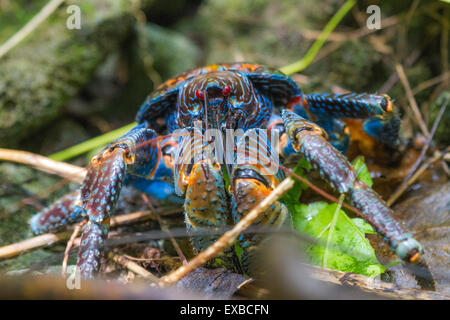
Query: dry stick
(229,237)
(69,245)
(381,288)
(149,259)
(352,35)
(428,142)
(43,240)
(422,154)
(66,170)
(392,80)
(47,239)
(431,82)
(412,101)
(166,230)
(437,156)
(134,267)
(45,12)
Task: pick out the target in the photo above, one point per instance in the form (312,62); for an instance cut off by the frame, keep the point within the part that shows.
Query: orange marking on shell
(415,257)
(365,142)
(389,105)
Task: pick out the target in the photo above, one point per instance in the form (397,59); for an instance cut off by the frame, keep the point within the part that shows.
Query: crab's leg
(199,178)
(255,175)
(62,212)
(310,141)
(136,153)
(67,209)
(380,120)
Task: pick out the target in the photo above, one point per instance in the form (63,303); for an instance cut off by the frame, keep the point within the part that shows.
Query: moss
(170,51)
(39,76)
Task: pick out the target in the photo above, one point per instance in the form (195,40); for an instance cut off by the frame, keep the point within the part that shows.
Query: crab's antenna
(151,141)
(206,104)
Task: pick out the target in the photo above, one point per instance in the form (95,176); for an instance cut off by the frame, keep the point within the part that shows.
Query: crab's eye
(199,94)
(226,91)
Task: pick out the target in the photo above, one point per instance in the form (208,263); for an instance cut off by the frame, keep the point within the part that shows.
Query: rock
(39,75)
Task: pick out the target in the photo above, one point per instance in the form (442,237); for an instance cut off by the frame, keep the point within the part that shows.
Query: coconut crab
(204,104)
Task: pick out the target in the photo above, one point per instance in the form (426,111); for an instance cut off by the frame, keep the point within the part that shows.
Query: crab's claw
(136,153)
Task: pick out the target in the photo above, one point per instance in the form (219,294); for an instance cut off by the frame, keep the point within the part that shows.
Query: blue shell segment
(347,106)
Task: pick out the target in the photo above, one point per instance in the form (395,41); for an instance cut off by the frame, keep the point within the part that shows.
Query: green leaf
(363,226)
(341,244)
(362,171)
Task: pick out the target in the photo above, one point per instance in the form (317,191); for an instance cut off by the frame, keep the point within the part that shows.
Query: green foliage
(290,198)
(343,245)
(361,170)
(312,52)
(363,226)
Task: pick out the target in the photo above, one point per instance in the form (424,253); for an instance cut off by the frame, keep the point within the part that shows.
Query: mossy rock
(39,75)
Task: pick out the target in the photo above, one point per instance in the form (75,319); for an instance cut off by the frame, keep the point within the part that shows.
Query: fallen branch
(381,288)
(43,240)
(229,237)
(65,170)
(249,289)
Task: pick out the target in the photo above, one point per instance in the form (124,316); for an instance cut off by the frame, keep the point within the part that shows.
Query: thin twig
(437,156)
(134,267)
(412,101)
(392,80)
(69,245)
(352,35)
(66,170)
(428,142)
(165,229)
(406,182)
(229,237)
(312,52)
(45,12)
(43,240)
(431,82)
(320,191)
(149,259)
